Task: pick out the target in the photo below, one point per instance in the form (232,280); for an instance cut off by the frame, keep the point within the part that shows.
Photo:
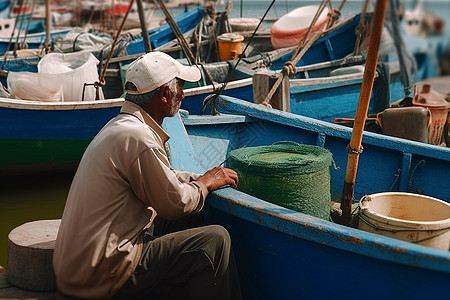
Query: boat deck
(7,291)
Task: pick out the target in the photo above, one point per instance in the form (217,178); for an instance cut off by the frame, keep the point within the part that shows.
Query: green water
(29,198)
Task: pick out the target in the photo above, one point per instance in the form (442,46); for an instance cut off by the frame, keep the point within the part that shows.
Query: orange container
(230,45)
(425,96)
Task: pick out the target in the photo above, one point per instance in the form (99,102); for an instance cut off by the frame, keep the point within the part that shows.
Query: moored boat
(38,136)
(282,253)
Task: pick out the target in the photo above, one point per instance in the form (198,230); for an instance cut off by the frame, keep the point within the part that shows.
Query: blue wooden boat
(52,142)
(314,90)
(284,254)
(49,136)
(33,40)
(337,43)
(333,92)
(164,34)
(157,36)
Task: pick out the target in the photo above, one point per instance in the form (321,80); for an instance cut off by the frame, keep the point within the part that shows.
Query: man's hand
(219,176)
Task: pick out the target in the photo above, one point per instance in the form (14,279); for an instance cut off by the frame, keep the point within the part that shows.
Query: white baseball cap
(154,69)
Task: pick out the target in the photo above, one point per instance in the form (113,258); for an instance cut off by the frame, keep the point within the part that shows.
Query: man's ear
(165,93)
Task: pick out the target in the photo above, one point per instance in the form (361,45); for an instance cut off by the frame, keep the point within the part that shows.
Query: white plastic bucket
(73,71)
(410,217)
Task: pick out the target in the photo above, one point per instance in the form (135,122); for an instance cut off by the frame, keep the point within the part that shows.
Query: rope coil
(292,175)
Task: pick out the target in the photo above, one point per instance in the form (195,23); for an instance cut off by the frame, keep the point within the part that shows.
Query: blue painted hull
(335,45)
(327,98)
(41,137)
(158,37)
(34,41)
(163,34)
(323,101)
(283,254)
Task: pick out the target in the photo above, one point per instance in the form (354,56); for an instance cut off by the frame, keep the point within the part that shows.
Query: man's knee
(218,233)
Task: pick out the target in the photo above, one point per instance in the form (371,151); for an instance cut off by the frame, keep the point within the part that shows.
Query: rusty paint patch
(399,250)
(430,257)
(315,227)
(355,240)
(387,248)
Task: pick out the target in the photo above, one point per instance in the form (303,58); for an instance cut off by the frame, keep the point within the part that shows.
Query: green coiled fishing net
(291,175)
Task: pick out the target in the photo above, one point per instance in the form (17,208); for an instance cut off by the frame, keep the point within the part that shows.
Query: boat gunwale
(329,129)
(376,246)
(64,105)
(36,37)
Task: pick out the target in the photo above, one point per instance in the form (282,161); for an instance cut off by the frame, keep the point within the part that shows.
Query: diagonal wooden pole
(354,149)
(144,30)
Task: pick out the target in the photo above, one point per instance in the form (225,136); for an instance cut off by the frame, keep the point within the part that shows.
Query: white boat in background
(291,28)
(422,22)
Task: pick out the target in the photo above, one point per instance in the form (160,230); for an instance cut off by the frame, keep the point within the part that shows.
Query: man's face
(175,102)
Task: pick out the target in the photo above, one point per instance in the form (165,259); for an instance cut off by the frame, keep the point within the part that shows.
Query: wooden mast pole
(144,30)
(354,149)
(47,26)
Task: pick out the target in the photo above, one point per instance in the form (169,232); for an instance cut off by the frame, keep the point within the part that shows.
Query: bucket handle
(365,220)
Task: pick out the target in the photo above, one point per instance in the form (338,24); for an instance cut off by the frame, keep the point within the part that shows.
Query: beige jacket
(124,179)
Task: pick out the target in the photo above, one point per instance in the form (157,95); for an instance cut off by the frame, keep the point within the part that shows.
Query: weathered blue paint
(193,103)
(38,136)
(283,254)
(163,34)
(158,37)
(54,124)
(322,101)
(34,41)
(335,45)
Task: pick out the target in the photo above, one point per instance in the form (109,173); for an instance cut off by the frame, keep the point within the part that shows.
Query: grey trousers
(194,263)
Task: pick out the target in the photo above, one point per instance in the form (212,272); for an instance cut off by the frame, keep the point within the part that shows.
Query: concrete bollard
(30,254)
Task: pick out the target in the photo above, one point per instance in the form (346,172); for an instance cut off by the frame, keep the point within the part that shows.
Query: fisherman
(131,227)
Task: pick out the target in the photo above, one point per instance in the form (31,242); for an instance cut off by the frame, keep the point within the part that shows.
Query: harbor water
(34,197)
(28,198)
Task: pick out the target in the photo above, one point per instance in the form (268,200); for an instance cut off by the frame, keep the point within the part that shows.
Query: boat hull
(33,41)
(280,254)
(284,254)
(38,136)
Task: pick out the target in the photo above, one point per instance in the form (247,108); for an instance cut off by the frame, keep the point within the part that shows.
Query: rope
(335,14)
(362,28)
(22,9)
(180,37)
(289,67)
(413,172)
(101,82)
(351,150)
(319,11)
(288,174)
(10,40)
(24,46)
(184,45)
(408,65)
(212,98)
